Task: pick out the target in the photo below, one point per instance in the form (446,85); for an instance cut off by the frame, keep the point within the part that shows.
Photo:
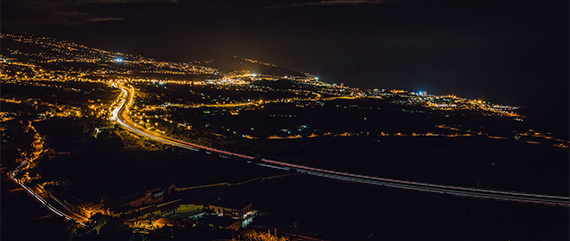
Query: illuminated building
(233,208)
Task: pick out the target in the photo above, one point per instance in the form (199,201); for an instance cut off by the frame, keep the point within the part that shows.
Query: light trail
(46,203)
(120,114)
(40,199)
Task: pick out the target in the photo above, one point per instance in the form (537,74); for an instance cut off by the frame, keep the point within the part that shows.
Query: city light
(169,112)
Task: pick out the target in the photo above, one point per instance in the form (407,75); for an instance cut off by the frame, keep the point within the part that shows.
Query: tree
(73,229)
(97,221)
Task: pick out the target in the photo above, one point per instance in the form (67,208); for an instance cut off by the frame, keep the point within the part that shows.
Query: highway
(120,114)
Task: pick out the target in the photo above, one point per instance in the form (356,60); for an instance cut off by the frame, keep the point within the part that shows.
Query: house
(117,211)
(80,207)
(234,208)
(128,204)
(191,204)
(171,188)
(149,197)
(223,222)
(148,211)
(169,207)
(92,209)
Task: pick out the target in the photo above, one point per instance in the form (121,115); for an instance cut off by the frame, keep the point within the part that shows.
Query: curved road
(120,114)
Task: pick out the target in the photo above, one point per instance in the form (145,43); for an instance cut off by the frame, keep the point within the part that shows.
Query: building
(223,222)
(147,211)
(138,201)
(149,197)
(234,208)
(92,209)
(169,207)
(192,203)
(80,207)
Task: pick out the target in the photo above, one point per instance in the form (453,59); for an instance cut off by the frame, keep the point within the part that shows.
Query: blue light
(119,60)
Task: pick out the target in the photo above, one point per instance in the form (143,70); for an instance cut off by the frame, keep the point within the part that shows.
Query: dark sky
(507,52)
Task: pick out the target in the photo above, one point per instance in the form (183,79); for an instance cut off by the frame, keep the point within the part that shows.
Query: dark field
(348,211)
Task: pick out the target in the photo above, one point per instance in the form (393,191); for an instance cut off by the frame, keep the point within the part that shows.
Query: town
(188,146)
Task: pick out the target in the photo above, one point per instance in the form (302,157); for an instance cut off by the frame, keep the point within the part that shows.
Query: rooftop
(231,203)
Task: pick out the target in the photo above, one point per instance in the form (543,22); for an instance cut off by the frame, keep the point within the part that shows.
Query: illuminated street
(285,120)
(126,99)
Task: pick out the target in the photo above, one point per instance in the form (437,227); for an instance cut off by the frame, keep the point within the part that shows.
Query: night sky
(512,53)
